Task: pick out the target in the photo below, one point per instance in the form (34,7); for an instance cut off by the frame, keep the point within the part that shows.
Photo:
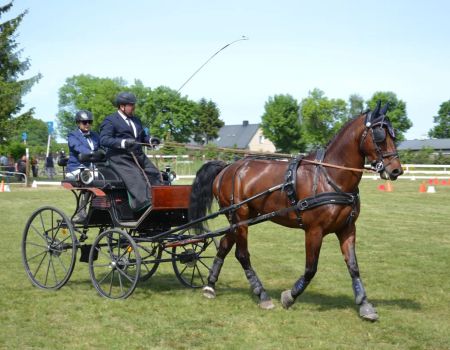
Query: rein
(270,155)
(329,165)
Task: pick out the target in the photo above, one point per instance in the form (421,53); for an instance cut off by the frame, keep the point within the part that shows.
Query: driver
(121,134)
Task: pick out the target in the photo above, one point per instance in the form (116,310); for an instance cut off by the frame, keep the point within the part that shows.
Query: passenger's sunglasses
(84,122)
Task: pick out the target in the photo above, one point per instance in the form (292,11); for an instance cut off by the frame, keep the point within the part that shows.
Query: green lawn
(403,245)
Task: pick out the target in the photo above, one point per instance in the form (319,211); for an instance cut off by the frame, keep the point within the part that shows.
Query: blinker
(379,134)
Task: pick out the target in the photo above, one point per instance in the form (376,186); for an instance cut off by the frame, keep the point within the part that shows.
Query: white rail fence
(411,172)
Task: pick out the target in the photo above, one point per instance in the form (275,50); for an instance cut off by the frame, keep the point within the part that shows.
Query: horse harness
(298,205)
(317,199)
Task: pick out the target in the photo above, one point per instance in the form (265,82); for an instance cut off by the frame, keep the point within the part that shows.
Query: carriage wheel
(192,262)
(150,259)
(114,264)
(49,248)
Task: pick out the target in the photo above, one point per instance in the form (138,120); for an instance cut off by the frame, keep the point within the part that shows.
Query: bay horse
(319,195)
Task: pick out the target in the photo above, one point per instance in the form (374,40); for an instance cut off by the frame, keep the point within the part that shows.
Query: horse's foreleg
(347,243)
(243,256)
(313,243)
(226,243)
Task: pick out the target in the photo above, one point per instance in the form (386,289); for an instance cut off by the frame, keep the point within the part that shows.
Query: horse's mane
(344,128)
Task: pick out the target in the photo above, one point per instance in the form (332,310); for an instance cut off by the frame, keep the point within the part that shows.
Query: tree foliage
(12,89)
(442,129)
(396,111)
(164,111)
(169,115)
(355,105)
(322,117)
(86,92)
(280,123)
(207,122)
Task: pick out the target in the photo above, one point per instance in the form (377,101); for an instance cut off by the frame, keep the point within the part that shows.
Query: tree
(207,122)
(163,110)
(442,129)
(11,68)
(87,92)
(169,115)
(322,117)
(356,105)
(281,125)
(396,111)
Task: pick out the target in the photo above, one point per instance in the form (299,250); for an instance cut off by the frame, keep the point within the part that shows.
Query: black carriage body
(109,205)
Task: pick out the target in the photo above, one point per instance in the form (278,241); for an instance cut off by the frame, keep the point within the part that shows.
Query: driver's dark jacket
(114,129)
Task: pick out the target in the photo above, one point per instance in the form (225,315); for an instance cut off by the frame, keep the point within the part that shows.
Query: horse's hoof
(266,305)
(209,292)
(286,299)
(368,312)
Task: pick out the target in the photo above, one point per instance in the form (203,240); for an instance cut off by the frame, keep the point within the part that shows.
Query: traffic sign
(50,127)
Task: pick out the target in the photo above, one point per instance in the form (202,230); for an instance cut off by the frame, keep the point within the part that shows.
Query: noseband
(377,129)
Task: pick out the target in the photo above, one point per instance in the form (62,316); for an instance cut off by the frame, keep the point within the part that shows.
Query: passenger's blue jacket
(78,144)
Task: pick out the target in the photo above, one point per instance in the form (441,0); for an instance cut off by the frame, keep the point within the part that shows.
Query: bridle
(377,129)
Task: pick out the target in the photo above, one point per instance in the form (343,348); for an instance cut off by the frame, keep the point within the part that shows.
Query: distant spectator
(3,162)
(21,167)
(50,166)
(34,166)
(11,163)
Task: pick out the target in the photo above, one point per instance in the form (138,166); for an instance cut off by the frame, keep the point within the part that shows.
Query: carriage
(128,246)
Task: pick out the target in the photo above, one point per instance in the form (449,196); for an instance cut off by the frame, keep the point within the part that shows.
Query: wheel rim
(114,264)
(192,262)
(49,248)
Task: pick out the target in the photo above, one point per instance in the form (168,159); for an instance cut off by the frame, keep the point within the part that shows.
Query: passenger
(81,141)
(121,134)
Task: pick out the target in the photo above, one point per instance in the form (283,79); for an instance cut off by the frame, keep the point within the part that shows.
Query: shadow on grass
(168,282)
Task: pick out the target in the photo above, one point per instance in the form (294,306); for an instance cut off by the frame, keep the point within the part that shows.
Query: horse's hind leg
(313,243)
(243,256)
(226,243)
(347,243)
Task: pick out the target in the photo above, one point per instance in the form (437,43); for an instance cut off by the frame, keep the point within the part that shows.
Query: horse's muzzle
(391,174)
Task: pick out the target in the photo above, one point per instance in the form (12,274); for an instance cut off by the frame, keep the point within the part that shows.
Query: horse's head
(377,144)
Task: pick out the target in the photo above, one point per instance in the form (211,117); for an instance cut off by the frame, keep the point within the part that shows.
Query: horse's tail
(202,192)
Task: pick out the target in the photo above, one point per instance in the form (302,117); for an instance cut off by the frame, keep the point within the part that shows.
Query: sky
(341,47)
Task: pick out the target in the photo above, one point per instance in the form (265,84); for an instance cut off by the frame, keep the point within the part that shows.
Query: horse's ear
(385,108)
(376,111)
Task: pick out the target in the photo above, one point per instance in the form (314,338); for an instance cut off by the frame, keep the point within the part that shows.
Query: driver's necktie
(131,126)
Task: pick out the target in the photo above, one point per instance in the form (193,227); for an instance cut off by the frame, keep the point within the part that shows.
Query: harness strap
(324,198)
(290,184)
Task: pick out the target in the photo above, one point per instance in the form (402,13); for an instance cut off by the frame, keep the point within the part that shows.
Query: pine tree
(11,69)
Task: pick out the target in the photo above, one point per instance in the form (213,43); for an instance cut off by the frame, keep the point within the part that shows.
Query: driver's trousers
(133,175)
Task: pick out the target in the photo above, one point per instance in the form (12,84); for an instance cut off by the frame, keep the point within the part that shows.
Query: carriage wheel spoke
(125,275)
(105,277)
(111,283)
(62,264)
(199,273)
(40,264)
(37,245)
(36,255)
(38,233)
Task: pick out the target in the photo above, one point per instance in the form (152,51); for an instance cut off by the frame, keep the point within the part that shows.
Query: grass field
(403,246)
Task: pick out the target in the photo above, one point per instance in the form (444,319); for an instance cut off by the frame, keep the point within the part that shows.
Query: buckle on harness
(302,205)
